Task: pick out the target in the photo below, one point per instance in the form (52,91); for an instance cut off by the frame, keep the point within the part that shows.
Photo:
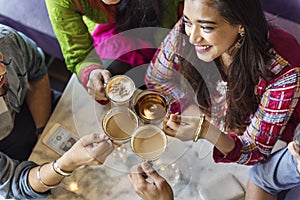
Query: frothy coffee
(120,88)
(148,142)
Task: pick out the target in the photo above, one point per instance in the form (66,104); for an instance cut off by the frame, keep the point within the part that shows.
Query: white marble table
(78,112)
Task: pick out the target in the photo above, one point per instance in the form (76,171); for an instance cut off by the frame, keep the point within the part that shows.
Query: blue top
(14,179)
(279,172)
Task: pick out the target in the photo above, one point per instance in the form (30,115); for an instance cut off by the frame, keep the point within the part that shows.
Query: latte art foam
(120,89)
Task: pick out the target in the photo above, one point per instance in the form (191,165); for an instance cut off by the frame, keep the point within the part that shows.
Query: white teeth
(203,47)
(1,77)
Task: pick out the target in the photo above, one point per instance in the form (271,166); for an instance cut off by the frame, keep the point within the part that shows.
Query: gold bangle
(199,128)
(58,170)
(38,174)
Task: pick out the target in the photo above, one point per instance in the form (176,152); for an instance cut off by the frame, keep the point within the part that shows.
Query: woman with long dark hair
(256,86)
(234,78)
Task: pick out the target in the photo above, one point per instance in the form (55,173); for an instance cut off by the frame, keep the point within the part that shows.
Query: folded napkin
(224,188)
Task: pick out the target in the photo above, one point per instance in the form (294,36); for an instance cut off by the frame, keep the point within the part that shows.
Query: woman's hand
(184,126)
(95,84)
(90,149)
(181,127)
(159,189)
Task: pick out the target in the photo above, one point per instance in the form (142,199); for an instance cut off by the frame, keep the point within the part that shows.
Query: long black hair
(249,62)
(132,14)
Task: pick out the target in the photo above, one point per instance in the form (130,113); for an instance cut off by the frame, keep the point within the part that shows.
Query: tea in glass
(148,142)
(151,106)
(119,123)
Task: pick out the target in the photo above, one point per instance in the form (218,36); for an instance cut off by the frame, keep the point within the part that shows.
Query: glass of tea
(119,90)
(119,123)
(148,142)
(150,106)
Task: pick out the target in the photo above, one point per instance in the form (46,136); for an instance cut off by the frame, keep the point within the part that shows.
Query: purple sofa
(31,18)
(285,14)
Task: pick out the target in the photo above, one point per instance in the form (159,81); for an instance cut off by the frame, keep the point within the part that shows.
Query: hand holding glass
(119,90)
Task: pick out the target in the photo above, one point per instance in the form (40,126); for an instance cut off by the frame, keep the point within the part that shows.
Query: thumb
(91,138)
(188,119)
(148,169)
(175,118)
(106,75)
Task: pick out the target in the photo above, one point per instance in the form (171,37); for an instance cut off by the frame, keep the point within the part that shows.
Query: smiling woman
(233,67)
(206,32)
(217,42)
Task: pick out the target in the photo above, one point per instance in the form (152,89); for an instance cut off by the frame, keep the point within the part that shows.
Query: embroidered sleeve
(277,104)
(163,71)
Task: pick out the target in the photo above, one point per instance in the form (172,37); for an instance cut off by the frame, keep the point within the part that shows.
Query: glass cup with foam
(119,90)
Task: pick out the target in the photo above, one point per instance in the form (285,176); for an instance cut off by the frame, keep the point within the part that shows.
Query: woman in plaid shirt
(234,68)
(225,61)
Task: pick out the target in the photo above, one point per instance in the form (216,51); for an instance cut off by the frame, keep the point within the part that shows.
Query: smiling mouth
(203,48)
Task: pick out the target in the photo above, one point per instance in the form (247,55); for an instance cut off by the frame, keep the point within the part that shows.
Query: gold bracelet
(199,128)
(58,170)
(38,175)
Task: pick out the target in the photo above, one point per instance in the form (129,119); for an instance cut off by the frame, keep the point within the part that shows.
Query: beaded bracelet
(199,128)
(58,170)
(38,174)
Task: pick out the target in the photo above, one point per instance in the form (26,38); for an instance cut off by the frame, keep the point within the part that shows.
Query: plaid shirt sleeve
(279,99)
(163,72)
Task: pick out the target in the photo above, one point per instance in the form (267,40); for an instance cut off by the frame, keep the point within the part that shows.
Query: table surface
(199,176)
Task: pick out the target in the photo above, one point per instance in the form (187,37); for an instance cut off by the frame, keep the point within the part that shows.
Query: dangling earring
(240,41)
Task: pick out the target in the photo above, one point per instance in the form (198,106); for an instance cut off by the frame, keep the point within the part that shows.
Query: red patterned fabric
(278,113)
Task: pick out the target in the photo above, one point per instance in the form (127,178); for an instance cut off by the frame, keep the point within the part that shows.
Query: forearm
(39,100)
(47,175)
(220,140)
(76,42)
(85,72)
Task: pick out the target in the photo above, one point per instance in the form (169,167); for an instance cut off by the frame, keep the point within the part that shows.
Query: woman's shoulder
(285,45)
(170,43)
(286,77)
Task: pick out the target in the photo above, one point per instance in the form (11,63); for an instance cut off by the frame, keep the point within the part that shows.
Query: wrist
(66,164)
(85,73)
(205,127)
(59,171)
(201,129)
